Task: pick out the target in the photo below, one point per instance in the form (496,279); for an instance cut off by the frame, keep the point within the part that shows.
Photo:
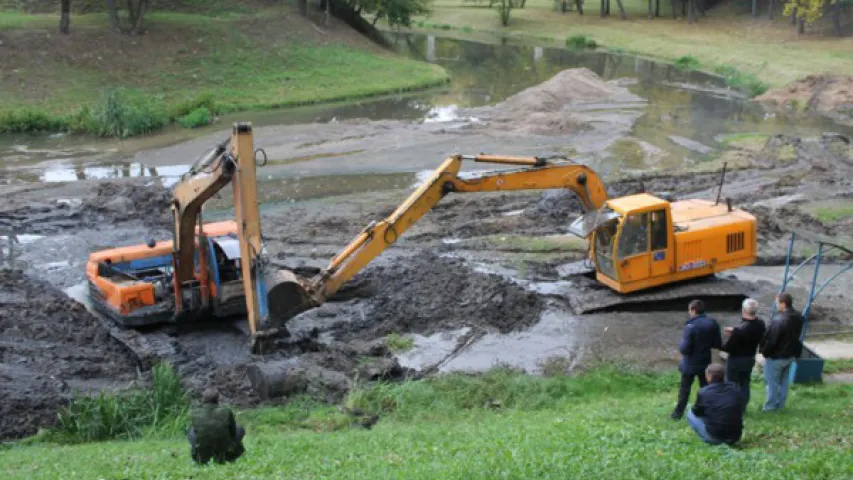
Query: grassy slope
(773,53)
(602,425)
(267,59)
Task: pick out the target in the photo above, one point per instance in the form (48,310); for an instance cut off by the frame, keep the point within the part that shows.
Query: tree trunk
(621,10)
(651,10)
(657,8)
(139,18)
(770,10)
(836,17)
(700,7)
(113,14)
(802,29)
(794,17)
(131,13)
(303,8)
(754,8)
(328,2)
(65,16)
(602,8)
(690,9)
(579,4)
(674,8)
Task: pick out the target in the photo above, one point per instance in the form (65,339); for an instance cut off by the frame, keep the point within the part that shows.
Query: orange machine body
(133,281)
(650,242)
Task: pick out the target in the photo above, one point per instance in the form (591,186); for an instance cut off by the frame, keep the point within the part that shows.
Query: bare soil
(829,95)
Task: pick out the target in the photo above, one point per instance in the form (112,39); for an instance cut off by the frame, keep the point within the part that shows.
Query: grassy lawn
(604,424)
(773,53)
(186,61)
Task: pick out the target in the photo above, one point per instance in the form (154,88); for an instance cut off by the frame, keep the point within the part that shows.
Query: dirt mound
(545,109)
(429,293)
(49,346)
(830,95)
(116,203)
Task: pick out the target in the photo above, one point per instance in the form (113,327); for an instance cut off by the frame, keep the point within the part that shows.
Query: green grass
(235,62)
(604,424)
(831,214)
(580,42)
(687,62)
(741,81)
(843,365)
(399,343)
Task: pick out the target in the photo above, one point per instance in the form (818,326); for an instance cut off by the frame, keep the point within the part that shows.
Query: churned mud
(828,95)
(480,279)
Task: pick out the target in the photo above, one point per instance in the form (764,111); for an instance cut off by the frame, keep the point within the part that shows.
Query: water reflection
(168,174)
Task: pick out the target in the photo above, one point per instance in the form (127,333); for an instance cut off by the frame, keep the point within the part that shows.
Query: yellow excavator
(637,242)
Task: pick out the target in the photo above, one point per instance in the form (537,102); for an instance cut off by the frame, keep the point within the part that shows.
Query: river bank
(186,69)
(726,41)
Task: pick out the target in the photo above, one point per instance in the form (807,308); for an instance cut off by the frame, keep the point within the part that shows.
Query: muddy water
(689,113)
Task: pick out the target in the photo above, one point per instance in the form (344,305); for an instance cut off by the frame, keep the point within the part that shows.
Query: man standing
(717,416)
(701,334)
(741,345)
(780,346)
(214,433)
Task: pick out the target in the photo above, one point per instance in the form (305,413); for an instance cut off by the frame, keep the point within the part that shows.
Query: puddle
(170,174)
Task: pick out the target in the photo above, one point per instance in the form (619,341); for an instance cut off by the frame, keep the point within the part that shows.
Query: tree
(805,12)
(136,10)
(504,10)
(65,16)
(397,12)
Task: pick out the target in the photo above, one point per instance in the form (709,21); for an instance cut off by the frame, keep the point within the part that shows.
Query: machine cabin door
(633,258)
(661,238)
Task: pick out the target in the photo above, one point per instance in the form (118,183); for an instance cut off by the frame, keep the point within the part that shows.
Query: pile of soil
(545,109)
(111,204)
(829,95)
(428,293)
(121,202)
(49,346)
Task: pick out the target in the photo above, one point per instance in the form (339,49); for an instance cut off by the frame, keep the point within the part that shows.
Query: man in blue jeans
(781,346)
(701,334)
(717,416)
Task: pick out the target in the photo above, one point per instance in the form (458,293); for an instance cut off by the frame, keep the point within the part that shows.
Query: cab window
(659,230)
(635,235)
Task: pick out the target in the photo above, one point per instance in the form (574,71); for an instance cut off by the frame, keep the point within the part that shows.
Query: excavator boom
(373,240)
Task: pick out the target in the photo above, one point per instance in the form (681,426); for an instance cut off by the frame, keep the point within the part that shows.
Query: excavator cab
(641,241)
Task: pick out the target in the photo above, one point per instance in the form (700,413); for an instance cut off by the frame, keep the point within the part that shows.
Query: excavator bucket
(287,296)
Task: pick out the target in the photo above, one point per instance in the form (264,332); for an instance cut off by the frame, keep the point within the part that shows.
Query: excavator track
(585,295)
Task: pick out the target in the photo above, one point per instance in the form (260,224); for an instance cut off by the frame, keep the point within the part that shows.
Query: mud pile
(428,293)
(49,346)
(117,203)
(109,204)
(829,95)
(551,108)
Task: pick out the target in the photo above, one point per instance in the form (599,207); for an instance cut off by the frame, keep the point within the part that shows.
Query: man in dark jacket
(717,416)
(780,346)
(214,433)
(742,345)
(701,334)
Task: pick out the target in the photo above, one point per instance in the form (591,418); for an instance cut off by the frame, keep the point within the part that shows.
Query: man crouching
(214,433)
(717,415)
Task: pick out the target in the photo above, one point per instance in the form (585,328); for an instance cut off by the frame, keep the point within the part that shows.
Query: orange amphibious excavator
(636,242)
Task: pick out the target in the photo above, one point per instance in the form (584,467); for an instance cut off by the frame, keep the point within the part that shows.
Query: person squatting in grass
(701,334)
(214,433)
(717,415)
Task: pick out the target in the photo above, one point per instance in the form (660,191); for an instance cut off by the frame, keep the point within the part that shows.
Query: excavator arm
(373,240)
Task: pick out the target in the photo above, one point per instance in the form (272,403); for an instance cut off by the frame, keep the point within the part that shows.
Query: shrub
(199,117)
(580,42)
(161,409)
(123,115)
(687,62)
(741,81)
(30,121)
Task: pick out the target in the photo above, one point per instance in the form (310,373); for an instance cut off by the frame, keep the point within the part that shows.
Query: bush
(687,62)
(741,81)
(204,100)
(123,115)
(199,117)
(30,121)
(580,42)
(161,409)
